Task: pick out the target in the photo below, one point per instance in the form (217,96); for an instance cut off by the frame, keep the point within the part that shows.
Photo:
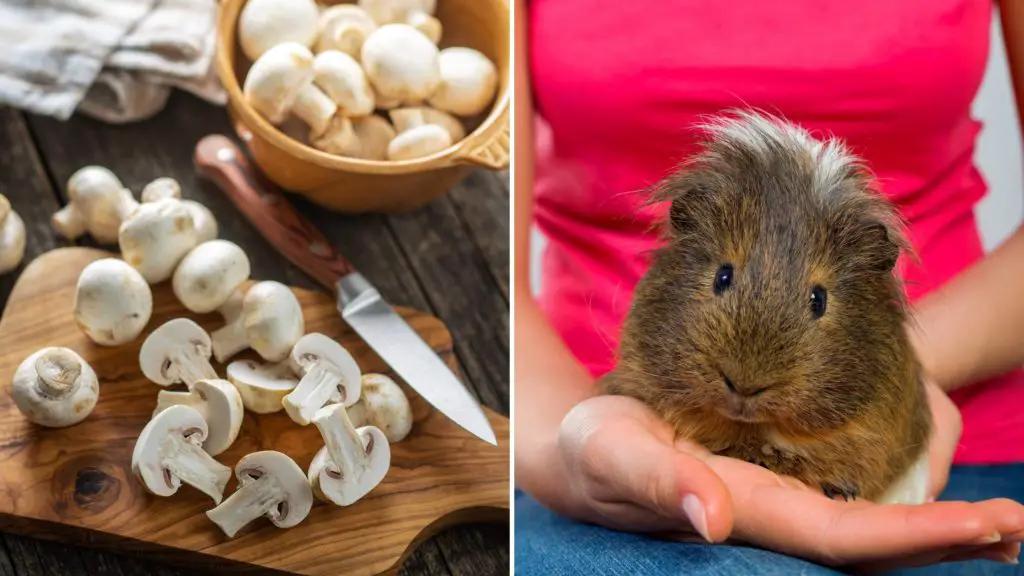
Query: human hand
(629,474)
(946,428)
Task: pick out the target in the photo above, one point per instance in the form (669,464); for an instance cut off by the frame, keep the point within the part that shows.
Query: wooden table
(449,258)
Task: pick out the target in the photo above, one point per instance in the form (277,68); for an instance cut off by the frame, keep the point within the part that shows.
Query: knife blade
(360,304)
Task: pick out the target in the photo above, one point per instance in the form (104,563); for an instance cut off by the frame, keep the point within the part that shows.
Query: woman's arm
(548,380)
(970,329)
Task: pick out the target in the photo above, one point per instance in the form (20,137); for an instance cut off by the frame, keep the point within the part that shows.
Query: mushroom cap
(315,347)
(343,79)
(469,81)
(339,138)
(113,302)
(160,188)
(275,80)
(385,406)
(203,221)
(100,199)
(299,498)
(344,27)
(389,11)
(90,182)
(419,142)
(12,241)
(273,319)
(75,404)
(263,24)
(410,117)
(209,274)
(156,237)
(154,358)
(146,458)
(262,387)
(374,134)
(221,406)
(401,63)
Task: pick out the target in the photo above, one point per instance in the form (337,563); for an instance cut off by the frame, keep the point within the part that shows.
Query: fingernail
(990,539)
(694,510)
(1009,559)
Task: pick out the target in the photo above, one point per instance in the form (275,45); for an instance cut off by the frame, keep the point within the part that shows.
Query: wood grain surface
(75,484)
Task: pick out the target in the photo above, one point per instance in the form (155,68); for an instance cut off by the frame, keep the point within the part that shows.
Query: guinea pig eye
(723,278)
(819,301)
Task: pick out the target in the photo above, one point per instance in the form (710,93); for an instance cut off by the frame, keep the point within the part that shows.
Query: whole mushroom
(329,373)
(374,134)
(97,203)
(113,302)
(263,24)
(12,237)
(344,27)
(384,405)
(55,387)
(220,405)
(281,82)
(416,13)
(342,78)
(271,485)
(408,118)
(351,463)
(156,237)
(203,221)
(401,63)
(270,322)
(209,274)
(339,138)
(177,351)
(469,81)
(262,387)
(419,140)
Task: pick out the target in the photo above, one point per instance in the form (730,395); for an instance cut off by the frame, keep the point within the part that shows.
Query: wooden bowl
(354,185)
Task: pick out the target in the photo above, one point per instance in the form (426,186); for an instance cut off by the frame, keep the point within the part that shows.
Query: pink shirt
(620,85)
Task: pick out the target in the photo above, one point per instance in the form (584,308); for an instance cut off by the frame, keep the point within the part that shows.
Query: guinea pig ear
(885,241)
(682,190)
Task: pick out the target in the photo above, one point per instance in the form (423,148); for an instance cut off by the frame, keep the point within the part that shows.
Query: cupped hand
(628,473)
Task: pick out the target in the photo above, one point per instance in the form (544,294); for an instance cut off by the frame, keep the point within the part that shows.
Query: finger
(1003,552)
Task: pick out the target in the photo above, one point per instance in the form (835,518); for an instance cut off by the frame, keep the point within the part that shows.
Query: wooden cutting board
(75,484)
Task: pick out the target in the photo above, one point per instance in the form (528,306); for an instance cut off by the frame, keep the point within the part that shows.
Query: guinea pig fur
(770,326)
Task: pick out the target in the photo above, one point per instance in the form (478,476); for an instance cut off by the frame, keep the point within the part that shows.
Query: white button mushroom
(270,323)
(405,119)
(382,404)
(469,81)
(177,351)
(338,138)
(281,82)
(351,463)
(263,24)
(343,80)
(220,405)
(329,373)
(270,484)
(113,302)
(344,27)
(156,237)
(12,237)
(202,219)
(97,204)
(401,63)
(416,13)
(418,142)
(169,451)
(374,134)
(209,274)
(55,387)
(262,387)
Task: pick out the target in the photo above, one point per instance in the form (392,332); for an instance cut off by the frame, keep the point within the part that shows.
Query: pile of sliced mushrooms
(363,80)
(198,414)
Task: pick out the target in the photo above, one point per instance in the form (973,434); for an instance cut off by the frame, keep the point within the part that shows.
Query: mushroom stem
(315,108)
(253,499)
(58,374)
(313,391)
(192,365)
(69,222)
(185,458)
(344,444)
(229,339)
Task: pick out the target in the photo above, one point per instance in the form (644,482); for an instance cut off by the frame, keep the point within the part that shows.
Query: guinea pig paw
(846,490)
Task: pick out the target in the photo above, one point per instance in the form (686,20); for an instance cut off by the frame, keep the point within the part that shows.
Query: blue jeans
(550,545)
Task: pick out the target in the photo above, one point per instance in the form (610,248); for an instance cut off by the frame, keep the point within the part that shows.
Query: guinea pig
(770,326)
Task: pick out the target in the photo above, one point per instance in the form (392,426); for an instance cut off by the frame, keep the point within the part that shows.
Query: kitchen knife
(218,159)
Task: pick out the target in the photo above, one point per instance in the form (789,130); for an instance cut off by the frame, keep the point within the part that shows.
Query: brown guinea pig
(771,325)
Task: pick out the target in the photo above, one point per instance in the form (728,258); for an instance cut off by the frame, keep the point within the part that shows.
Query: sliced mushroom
(169,451)
(281,82)
(220,405)
(344,27)
(209,274)
(177,351)
(97,203)
(55,387)
(12,237)
(374,134)
(263,24)
(384,405)
(408,118)
(416,13)
(270,322)
(469,81)
(343,80)
(270,484)
(351,463)
(203,221)
(113,302)
(156,237)
(262,387)
(401,63)
(328,373)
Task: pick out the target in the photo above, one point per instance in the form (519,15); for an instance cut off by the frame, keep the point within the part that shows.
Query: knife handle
(219,159)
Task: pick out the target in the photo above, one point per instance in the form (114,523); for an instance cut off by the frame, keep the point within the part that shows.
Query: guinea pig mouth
(741,409)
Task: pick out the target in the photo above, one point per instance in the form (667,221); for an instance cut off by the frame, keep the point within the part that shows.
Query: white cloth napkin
(115,60)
